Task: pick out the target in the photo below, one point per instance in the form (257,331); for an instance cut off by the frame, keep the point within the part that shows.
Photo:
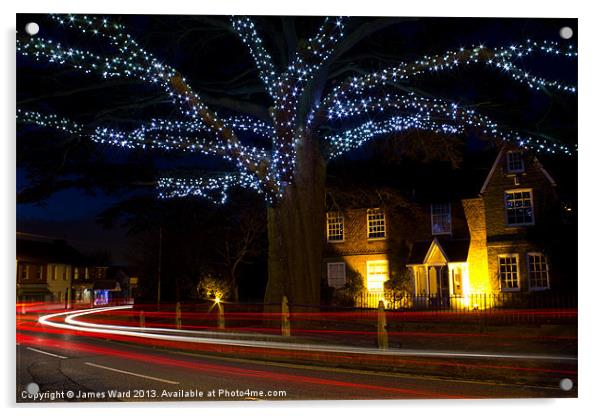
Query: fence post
(286,323)
(382,336)
(142,320)
(221,321)
(178,316)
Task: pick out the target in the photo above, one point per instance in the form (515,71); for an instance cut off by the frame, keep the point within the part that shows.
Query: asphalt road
(67,367)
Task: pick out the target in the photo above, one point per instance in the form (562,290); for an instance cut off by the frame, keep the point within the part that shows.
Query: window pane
(519,209)
(336,275)
(508,271)
(376,223)
(441,218)
(378,274)
(515,162)
(334,226)
(538,271)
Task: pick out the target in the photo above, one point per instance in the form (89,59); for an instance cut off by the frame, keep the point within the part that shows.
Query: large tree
(315,112)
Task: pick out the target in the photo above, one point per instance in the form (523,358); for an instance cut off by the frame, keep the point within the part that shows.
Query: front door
(439,286)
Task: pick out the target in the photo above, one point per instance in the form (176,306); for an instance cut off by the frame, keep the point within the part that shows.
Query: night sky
(209,56)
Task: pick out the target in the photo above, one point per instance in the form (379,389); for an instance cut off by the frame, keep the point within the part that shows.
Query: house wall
(506,239)
(33,273)
(478,266)
(356,236)
(59,280)
(356,264)
(357,249)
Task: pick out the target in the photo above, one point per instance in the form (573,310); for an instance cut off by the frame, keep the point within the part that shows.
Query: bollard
(178,316)
(382,336)
(221,321)
(142,320)
(286,322)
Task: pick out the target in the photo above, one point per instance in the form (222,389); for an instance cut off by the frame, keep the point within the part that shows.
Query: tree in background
(317,111)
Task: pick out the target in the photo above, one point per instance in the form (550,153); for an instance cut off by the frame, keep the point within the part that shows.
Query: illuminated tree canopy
(269,169)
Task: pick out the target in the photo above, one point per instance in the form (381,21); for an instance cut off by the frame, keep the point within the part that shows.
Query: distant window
(508,271)
(519,207)
(514,162)
(65,272)
(335,226)
(378,274)
(538,271)
(86,274)
(53,271)
(75,273)
(376,223)
(336,275)
(39,271)
(24,271)
(441,218)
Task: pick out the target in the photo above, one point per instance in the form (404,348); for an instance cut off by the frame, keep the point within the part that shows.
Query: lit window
(378,274)
(75,273)
(441,218)
(514,162)
(376,223)
(336,275)
(538,271)
(457,281)
(334,226)
(519,207)
(508,271)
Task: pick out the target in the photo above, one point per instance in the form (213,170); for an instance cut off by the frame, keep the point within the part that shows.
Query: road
(65,363)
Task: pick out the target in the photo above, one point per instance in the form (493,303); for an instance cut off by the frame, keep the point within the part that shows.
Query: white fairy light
(271,169)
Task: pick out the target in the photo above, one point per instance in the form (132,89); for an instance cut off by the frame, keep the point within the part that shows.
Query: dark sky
(208,56)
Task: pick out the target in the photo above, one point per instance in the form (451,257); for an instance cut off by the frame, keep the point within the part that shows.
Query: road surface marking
(47,353)
(132,374)
(353,371)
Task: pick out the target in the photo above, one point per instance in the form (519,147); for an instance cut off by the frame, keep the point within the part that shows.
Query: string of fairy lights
(426,114)
(213,189)
(245,28)
(271,169)
(503,59)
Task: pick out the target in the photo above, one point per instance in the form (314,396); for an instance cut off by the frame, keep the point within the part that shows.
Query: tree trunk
(296,232)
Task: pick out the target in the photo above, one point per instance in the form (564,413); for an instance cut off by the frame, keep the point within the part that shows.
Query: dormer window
(515,162)
(441,218)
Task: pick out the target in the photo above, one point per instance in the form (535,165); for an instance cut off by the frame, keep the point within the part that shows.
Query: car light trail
(167,334)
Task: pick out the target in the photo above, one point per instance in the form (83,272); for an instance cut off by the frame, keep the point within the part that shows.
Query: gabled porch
(439,270)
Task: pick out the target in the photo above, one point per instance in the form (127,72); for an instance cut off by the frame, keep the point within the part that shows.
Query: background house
(53,271)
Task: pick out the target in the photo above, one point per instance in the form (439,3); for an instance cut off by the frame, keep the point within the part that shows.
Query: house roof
(48,251)
(453,250)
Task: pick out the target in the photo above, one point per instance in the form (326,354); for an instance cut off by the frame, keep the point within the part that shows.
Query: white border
(590,150)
